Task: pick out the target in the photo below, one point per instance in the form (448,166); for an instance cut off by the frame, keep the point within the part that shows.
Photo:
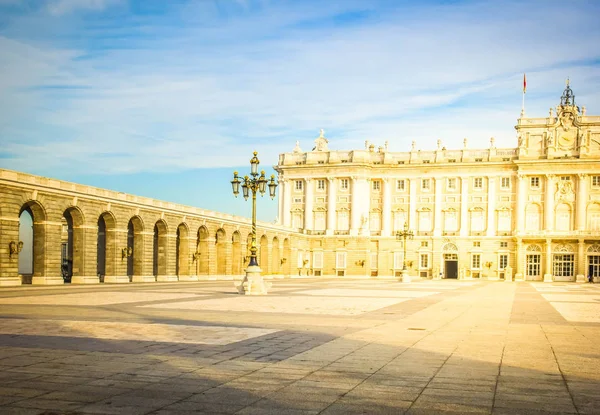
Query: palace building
(525,213)
(530,212)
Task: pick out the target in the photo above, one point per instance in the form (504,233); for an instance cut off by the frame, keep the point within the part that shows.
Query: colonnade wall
(85,234)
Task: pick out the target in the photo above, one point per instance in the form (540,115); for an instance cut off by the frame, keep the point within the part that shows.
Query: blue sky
(166,98)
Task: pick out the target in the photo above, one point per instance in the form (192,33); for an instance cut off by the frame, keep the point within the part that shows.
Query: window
(340,260)
(400,185)
(321,184)
(425,161)
(375,221)
(502,261)
(298,186)
(593,217)
(344,184)
(376,185)
(424,261)
(532,218)
(563,265)
(563,217)
(319,220)
(450,221)
(424,244)
(565,178)
(505,182)
(534,182)
(451,160)
(478,160)
(504,244)
(398,260)
(343,222)
(477,244)
(476,261)
(318,259)
(399,219)
(424,221)
(374,260)
(478,183)
(595,181)
(451,184)
(477,220)
(425,184)
(297,220)
(504,220)
(533,266)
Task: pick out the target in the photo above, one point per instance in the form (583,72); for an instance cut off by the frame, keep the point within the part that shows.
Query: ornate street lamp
(403,236)
(253,282)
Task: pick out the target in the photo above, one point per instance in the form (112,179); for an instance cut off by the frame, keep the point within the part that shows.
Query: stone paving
(313,346)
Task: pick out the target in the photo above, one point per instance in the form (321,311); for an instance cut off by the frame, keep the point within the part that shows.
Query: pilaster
(491,207)
(308,204)
(386,229)
(464,206)
(549,203)
(331,205)
(581,202)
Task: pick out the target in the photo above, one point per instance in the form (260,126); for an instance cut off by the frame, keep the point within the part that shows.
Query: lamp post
(403,236)
(253,282)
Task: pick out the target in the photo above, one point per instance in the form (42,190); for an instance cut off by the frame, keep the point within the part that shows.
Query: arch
(275,257)
(236,253)
(593,217)
(533,213)
(264,254)
(563,248)
(563,217)
(222,258)
(594,249)
(73,247)
(202,251)
(450,247)
(182,265)
(287,256)
(135,246)
(32,232)
(534,248)
(106,245)
(159,248)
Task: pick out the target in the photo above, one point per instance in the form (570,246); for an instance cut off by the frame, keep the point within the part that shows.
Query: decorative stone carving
(565,191)
(321,142)
(297,149)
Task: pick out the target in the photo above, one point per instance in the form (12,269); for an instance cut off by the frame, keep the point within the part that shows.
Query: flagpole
(524,89)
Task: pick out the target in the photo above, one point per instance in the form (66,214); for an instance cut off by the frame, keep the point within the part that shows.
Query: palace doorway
(451,265)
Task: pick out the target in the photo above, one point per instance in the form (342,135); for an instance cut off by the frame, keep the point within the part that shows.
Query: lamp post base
(253,283)
(405,276)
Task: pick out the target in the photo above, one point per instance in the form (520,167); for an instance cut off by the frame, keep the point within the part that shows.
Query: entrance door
(533,266)
(594,266)
(451,269)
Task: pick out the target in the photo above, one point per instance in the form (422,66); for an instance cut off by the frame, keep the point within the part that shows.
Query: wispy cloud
(202,83)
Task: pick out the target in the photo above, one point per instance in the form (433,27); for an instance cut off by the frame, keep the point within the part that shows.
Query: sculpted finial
(322,133)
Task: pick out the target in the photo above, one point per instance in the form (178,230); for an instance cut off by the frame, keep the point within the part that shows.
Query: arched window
(562,217)
(532,217)
(593,217)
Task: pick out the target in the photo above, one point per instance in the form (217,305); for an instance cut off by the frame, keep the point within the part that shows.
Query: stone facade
(532,211)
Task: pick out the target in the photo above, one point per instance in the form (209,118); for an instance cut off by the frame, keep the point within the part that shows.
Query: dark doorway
(451,269)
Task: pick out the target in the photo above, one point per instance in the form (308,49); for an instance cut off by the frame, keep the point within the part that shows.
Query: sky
(165,99)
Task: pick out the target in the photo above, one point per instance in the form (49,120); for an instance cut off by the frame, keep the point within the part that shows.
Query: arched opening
(236,254)
(221,243)
(107,246)
(287,256)
(135,247)
(275,257)
(159,249)
(264,254)
(32,232)
(26,236)
(72,248)
(202,251)
(182,265)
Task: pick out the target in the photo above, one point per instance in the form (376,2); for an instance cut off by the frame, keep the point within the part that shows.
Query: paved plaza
(311,346)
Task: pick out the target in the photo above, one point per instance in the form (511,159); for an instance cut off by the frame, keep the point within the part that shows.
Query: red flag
(524,83)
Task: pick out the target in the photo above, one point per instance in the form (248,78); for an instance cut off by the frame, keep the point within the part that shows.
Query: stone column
(491,207)
(412,203)
(281,184)
(386,229)
(582,196)
(212,254)
(355,207)
(170,258)
(548,268)
(47,241)
(309,204)
(437,215)
(116,263)
(581,271)
(9,263)
(331,205)
(143,254)
(287,203)
(89,264)
(521,196)
(549,204)
(188,272)
(519,275)
(464,206)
